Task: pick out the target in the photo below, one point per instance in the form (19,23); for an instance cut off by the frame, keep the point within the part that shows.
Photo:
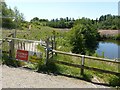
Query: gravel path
(21,78)
(0,76)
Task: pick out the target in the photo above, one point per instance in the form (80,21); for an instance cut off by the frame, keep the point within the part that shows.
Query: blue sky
(50,10)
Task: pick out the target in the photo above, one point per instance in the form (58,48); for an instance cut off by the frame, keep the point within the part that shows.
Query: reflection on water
(110,48)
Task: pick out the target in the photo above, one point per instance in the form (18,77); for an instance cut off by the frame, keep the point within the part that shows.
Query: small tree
(83,38)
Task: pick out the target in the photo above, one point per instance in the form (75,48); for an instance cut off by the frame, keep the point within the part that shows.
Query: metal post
(82,63)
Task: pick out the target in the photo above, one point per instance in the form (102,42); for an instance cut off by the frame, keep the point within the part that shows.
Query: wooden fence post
(54,43)
(24,45)
(18,45)
(21,45)
(47,51)
(12,48)
(118,66)
(52,48)
(82,63)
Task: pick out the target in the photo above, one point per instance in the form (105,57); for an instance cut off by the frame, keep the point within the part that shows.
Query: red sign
(22,55)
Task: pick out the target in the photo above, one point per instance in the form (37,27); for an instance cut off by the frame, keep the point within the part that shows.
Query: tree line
(104,22)
(15,19)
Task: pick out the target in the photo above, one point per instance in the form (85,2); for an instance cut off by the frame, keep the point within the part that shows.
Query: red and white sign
(22,55)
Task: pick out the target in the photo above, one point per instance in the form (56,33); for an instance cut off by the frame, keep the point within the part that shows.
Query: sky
(70,8)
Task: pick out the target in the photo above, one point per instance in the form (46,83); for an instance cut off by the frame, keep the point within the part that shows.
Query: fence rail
(88,68)
(22,40)
(82,66)
(89,57)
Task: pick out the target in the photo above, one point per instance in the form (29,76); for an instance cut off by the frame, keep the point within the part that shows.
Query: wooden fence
(82,66)
(52,51)
(9,41)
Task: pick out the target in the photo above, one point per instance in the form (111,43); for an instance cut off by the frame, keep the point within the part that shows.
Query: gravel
(0,76)
(22,78)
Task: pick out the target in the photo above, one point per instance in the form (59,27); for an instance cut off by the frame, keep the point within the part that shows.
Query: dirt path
(21,78)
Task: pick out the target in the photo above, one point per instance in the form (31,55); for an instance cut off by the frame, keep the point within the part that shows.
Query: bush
(10,62)
(83,38)
(50,67)
(114,81)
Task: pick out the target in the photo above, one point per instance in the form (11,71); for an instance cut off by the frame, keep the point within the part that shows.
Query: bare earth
(21,78)
(110,32)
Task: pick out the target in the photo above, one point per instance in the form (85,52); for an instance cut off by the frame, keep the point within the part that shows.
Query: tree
(61,23)
(109,22)
(35,19)
(83,38)
(19,17)
(8,16)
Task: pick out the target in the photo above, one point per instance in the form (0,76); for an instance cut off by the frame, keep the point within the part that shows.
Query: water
(111,49)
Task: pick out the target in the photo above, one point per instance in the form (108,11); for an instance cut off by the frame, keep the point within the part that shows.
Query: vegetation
(112,37)
(83,37)
(36,21)
(10,17)
(104,22)
(61,23)
(66,70)
(109,22)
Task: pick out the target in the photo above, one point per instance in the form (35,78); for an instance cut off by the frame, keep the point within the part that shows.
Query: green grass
(34,33)
(41,33)
(88,73)
(37,34)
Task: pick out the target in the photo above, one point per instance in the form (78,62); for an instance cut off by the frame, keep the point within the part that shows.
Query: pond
(110,48)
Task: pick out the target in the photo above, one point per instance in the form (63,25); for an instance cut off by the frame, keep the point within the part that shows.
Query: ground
(22,78)
(110,32)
